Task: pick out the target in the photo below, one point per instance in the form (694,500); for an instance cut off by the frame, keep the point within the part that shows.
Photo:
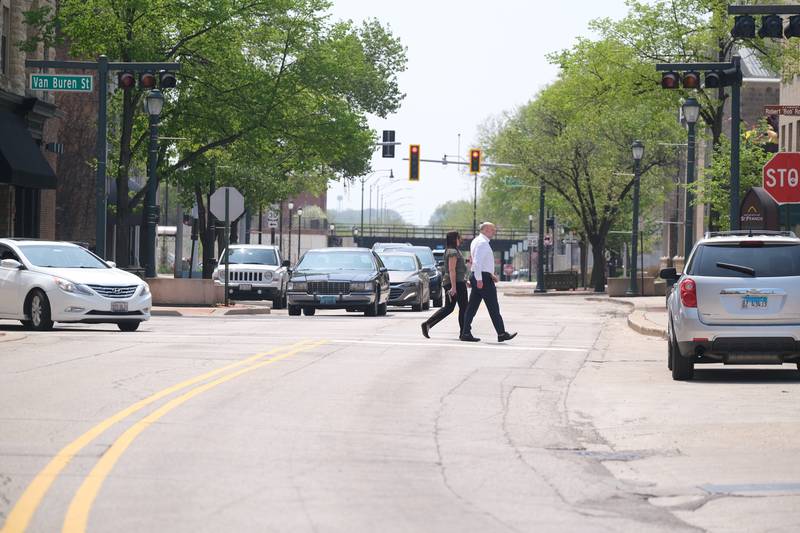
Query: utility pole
(540,286)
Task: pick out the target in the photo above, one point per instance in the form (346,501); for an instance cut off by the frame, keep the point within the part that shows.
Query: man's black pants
(487,294)
(460,298)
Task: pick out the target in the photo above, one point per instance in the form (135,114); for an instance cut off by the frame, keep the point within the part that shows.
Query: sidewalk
(235,310)
(648,315)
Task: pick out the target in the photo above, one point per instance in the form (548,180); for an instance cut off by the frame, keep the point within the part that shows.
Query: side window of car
(7,253)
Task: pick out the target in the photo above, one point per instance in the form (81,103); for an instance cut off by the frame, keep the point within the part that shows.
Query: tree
(269,91)
(453,214)
(575,138)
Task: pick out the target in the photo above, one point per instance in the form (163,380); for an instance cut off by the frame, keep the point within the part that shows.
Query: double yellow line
(78,513)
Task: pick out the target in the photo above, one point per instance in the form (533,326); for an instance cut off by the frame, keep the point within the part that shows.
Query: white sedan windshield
(59,256)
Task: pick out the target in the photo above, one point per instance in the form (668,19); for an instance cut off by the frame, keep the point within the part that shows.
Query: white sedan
(42,282)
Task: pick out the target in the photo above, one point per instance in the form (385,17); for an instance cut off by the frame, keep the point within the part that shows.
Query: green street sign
(512,183)
(62,82)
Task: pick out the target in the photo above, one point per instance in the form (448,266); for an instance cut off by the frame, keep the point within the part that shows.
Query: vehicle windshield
(403,263)
(767,261)
(251,256)
(337,261)
(425,255)
(61,256)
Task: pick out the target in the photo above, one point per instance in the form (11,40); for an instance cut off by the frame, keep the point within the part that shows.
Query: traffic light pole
(735,149)
(540,286)
(103,67)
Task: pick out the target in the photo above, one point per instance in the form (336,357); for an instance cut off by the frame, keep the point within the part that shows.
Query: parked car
(354,279)
(257,272)
(428,261)
(738,302)
(42,282)
(408,280)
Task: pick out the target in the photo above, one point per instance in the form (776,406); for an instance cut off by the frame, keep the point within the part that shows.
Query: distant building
(27,172)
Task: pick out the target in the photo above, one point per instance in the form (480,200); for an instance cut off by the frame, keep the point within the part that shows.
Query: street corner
(650,323)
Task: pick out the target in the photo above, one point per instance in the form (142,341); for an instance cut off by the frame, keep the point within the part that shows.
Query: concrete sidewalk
(648,314)
(234,310)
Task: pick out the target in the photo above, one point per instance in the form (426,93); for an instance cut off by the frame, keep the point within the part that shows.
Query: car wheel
(128,326)
(294,310)
(382,309)
(39,311)
(682,367)
(309,311)
(277,302)
(372,309)
(417,307)
(670,350)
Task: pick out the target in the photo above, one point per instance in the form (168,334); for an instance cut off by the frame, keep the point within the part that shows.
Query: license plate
(754,302)
(119,307)
(327,300)
(245,287)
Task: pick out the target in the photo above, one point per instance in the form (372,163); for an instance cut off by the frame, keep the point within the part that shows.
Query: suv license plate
(754,302)
(327,300)
(119,307)
(245,287)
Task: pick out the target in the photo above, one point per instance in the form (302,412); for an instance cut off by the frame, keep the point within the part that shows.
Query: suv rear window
(768,260)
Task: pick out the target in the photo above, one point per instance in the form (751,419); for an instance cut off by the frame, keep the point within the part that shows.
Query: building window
(783,138)
(6,31)
(790,139)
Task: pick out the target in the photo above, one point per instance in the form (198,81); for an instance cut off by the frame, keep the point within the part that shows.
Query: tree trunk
(123,247)
(599,267)
(584,261)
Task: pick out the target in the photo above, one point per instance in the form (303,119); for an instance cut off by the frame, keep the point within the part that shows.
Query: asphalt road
(340,422)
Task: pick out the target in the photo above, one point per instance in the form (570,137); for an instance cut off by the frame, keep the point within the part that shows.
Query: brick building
(27,170)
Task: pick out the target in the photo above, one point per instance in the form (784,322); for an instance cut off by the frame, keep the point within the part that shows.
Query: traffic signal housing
(475,161)
(723,78)
(388,149)
(167,80)
(744,27)
(691,80)
(771,27)
(793,29)
(413,162)
(147,80)
(670,80)
(126,80)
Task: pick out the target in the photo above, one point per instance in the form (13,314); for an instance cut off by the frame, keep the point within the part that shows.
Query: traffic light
(744,27)
(388,149)
(413,162)
(771,27)
(475,161)
(670,80)
(723,78)
(126,80)
(691,80)
(793,29)
(147,80)
(167,80)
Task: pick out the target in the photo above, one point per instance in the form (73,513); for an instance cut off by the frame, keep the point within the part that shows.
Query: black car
(354,279)
(429,266)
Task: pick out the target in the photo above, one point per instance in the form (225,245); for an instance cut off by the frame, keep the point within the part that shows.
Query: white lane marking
(478,346)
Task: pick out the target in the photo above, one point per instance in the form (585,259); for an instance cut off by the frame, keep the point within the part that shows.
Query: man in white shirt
(483,282)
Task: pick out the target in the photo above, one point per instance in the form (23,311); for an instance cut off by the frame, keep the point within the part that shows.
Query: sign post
(227,203)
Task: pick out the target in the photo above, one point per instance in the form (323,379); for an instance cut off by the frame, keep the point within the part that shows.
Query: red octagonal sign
(782,177)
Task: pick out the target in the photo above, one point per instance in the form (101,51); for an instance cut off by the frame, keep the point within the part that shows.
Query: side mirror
(11,264)
(111,264)
(668,274)
(383,270)
(286,264)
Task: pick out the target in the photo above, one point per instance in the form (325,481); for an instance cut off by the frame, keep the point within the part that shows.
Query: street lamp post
(540,286)
(153,104)
(638,151)
(530,249)
(289,240)
(691,112)
(363,181)
(299,229)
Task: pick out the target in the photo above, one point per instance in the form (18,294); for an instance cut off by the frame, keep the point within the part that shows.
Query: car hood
(399,276)
(336,275)
(93,276)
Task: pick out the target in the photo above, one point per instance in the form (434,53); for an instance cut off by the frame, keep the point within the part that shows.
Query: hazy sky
(468,61)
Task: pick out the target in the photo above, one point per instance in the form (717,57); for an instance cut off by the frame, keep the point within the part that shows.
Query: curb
(217,312)
(532,294)
(637,320)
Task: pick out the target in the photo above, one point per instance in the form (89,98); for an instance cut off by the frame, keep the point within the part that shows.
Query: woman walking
(454,282)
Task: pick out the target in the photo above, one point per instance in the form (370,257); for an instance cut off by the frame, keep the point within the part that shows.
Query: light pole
(530,249)
(299,229)
(638,152)
(289,240)
(365,179)
(153,104)
(691,112)
(355,237)
(540,286)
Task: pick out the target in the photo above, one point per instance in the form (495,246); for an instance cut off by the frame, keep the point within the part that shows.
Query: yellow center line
(78,513)
(21,514)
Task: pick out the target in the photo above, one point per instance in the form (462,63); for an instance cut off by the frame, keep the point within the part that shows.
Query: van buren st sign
(62,82)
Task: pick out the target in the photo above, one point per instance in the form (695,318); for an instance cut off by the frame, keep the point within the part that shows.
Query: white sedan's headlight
(68,286)
(145,289)
(361,286)
(297,286)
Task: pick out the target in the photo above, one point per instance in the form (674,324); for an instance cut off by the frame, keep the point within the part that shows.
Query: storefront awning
(21,161)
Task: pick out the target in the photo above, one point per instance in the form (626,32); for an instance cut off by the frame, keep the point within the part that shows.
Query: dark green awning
(21,161)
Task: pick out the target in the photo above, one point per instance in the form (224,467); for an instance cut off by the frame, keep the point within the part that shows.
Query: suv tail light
(688,293)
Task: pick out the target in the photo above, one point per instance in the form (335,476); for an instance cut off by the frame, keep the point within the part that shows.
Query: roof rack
(750,233)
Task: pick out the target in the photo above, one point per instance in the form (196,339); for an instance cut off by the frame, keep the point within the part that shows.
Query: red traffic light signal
(475,161)
(147,80)
(670,80)
(126,80)
(167,80)
(691,80)
(413,162)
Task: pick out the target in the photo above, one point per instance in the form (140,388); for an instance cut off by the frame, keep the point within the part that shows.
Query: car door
(383,276)
(11,289)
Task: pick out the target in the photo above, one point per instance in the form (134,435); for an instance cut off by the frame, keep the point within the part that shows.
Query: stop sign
(782,177)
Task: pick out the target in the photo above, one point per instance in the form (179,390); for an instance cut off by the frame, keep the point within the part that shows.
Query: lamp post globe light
(638,152)
(290,205)
(691,112)
(299,229)
(153,104)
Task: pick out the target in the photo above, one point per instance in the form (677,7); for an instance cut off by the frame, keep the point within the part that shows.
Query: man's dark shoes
(506,337)
(425,329)
(469,338)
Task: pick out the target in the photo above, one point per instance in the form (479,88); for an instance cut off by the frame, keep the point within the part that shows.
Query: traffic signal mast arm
(92,65)
(445,161)
(669,67)
(764,10)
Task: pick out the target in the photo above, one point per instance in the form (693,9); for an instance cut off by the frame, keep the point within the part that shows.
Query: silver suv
(738,302)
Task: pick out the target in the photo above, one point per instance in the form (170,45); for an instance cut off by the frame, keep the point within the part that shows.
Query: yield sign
(782,177)
(235,203)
